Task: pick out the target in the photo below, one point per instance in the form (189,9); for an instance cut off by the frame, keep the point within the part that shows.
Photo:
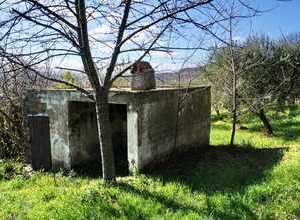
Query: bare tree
(34,32)
(227,62)
(234,76)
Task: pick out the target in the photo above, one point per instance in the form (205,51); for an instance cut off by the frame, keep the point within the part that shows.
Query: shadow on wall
(85,148)
(219,168)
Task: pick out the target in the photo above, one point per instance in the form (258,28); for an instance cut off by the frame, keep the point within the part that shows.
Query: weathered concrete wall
(172,121)
(132,136)
(71,144)
(194,119)
(55,105)
(154,125)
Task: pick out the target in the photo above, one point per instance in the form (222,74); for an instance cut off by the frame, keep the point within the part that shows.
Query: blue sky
(279,18)
(284,17)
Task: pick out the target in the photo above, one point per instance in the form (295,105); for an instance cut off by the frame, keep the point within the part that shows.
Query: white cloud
(163,54)
(239,38)
(68,62)
(100,31)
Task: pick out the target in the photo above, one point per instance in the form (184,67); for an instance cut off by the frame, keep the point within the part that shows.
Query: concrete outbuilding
(146,126)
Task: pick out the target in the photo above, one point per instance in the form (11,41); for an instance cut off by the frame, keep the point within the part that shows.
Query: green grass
(259,179)
(286,128)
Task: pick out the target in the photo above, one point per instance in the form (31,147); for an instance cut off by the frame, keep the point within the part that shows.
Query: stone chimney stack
(143,77)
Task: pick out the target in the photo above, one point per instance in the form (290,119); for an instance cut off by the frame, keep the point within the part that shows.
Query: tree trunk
(102,107)
(267,126)
(233,128)
(234,84)
(105,139)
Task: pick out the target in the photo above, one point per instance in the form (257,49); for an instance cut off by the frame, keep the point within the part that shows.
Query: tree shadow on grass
(219,168)
(169,203)
(287,130)
(209,210)
(93,169)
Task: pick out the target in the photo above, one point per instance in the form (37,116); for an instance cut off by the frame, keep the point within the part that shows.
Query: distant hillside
(185,74)
(165,78)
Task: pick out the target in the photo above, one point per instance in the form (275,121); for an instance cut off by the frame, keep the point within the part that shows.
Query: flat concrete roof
(128,89)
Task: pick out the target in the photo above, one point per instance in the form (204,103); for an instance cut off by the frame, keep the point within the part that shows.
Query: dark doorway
(118,119)
(83,136)
(84,142)
(40,150)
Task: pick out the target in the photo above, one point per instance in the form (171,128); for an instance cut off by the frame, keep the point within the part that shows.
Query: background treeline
(268,76)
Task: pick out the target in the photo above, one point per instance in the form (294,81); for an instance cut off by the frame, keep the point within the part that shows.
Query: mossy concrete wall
(159,122)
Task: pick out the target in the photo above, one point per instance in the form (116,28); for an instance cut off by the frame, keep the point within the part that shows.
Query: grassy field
(258,179)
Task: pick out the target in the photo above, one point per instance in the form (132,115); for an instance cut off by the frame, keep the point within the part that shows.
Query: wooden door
(40,142)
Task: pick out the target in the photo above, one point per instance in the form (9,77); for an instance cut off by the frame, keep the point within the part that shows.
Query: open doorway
(83,136)
(118,119)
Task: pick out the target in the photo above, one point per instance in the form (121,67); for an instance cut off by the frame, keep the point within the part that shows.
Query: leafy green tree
(287,64)
(215,74)
(268,73)
(258,88)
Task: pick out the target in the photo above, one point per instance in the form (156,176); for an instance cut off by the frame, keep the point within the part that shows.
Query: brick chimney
(143,77)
